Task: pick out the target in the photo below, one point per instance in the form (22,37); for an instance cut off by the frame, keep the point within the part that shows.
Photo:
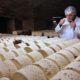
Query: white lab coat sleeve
(58,28)
(78,28)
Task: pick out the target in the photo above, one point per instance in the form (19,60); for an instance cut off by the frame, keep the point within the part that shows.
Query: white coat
(68,32)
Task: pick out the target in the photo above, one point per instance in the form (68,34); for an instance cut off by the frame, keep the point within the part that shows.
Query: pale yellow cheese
(30,72)
(4,78)
(3,70)
(11,67)
(22,60)
(61,45)
(49,67)
(60,60)
(69,56)
(55,48)
(36,55)
(74,66)
(67,75)
(48,50)
(73,51)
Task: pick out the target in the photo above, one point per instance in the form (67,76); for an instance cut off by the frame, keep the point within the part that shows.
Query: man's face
(71,17)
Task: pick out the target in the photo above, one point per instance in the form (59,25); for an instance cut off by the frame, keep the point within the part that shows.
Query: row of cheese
(12,52)
(70,72)
(48,67)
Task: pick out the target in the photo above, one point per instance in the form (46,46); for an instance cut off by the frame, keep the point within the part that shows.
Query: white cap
(69,10)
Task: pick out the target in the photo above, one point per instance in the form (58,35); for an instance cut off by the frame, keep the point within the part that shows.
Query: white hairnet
(70,10)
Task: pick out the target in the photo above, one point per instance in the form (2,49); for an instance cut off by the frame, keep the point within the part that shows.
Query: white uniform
(68,32)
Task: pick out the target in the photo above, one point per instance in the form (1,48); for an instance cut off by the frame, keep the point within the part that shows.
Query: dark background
(40,11)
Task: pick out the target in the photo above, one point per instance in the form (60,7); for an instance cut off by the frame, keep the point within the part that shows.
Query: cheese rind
(30,72)
(67,75)
(49,67)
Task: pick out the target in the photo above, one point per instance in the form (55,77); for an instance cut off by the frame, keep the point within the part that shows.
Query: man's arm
(59,26)
(78,29)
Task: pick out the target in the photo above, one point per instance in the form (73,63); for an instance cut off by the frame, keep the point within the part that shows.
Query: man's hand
(73,25)
(61,22)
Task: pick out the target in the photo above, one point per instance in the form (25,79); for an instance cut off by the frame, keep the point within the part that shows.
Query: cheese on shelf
(30,72)
(67,75)
(48,66)
(59,59)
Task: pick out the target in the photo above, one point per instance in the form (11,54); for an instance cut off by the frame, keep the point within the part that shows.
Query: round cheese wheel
(3,70)
(22,51)
(67,43)
(69,56)
(4,78)
(4,55)
(22,61)
(70,42)
(73,51)
(16,52)
(67,75)
(59,59)
(44,53)
(48,50)
(48,66)
(34,47)
(11,55)
(30,72)
(60,45)
(55,48)
(76,47)
(36,55)
(11,68)
(74,66)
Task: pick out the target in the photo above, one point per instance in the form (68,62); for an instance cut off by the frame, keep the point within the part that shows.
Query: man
(69,27)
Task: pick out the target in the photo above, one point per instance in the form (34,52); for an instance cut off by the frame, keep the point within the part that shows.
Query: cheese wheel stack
(70,42)
(66,75)
(40,44)
(75,66)
(11,68)
(21,61)
(74,51)
(60,60)
(35,55)
(77,46)
(34,47)
(55,48)
(60,45)
(30,72)
(22,51)
(49,67)
(18,52)
(68,55)
(3,70)
(70,72)
(46,51)
(10,54)
(4,55)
